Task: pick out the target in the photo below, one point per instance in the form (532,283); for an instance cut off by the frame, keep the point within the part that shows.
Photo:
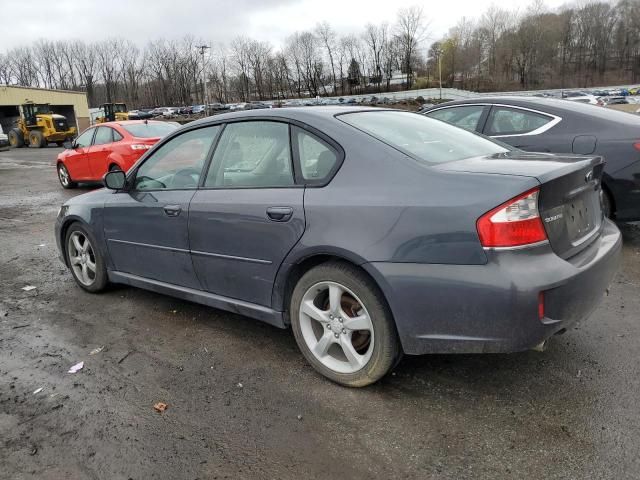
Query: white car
(590,99)
(4,140)
(170,111)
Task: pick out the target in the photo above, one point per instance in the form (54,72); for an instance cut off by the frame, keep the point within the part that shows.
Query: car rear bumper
(494,307)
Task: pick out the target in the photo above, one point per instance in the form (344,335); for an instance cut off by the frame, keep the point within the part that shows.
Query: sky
(219,21)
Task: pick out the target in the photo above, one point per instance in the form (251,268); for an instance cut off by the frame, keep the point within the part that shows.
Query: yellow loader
(113,112)
(38,126)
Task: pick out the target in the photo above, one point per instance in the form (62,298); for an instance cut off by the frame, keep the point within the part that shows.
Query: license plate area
(580,218)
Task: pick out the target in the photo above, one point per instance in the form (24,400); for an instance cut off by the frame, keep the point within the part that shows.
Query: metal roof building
(72,105)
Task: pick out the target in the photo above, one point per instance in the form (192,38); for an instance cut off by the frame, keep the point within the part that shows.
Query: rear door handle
(280,214)
(172,210)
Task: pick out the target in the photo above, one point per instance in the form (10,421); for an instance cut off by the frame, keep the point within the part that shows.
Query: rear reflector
(514,223)
(540,305)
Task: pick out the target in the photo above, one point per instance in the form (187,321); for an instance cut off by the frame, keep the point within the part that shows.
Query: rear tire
(16,139)
(36,139)
(343,325)
(84,259)
(65,177)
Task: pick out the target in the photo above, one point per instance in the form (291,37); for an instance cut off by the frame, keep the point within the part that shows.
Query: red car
(108,146)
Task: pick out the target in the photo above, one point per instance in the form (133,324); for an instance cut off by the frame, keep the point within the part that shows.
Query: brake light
(637,146)
(514,223)
(140,146)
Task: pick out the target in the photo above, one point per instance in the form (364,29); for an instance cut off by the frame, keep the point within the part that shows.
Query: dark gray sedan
(371,233)
(561,126)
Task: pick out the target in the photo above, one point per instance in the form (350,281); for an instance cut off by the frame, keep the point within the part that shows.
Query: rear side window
(252,154)
(317,159)
(465,117)
(422,138)
(513,121)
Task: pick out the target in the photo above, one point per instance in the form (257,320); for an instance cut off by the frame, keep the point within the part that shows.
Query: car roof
(295,113)
(551,105)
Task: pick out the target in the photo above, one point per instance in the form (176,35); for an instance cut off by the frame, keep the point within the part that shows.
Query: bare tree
(410,30)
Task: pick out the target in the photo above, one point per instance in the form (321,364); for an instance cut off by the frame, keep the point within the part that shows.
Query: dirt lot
(244,404)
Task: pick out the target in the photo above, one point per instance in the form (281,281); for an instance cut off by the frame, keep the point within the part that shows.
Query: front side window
(513,121)
(317,159)
(178,163)
(465,117)
(252,154)
(103,136)
(84,140)
(423,138)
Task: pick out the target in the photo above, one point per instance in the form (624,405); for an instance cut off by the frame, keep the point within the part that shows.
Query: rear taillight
(514,223)
(637,146)
(140,146)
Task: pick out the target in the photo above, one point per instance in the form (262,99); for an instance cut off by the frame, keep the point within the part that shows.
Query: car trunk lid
(569,201)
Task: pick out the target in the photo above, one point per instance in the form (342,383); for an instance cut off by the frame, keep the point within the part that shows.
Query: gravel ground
(242,402)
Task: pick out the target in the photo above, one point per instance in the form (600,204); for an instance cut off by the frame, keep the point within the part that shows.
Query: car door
(100,151)
(77,160)
(519,127)
(146,227)
(248,214)
(469,117)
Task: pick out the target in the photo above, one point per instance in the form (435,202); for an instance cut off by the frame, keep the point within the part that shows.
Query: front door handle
(280,214)
(172,210)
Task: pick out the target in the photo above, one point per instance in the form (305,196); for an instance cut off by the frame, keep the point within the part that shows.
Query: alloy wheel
(63,175)
(336,327)
(82,258)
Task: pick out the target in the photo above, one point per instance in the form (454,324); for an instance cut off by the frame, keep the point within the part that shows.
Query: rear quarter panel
(383,206)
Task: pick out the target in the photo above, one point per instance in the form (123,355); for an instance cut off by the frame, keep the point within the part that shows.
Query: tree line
(576,46)
(591,44)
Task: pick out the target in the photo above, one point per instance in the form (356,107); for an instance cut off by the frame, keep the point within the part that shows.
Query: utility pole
(440,70)
(205,88)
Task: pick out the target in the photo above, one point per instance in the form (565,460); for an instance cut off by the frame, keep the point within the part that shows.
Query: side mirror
(115,180)
(68,144)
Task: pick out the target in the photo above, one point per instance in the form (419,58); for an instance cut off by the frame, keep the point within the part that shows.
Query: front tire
(65,177)
(84,259)
(16,139)
(343,325)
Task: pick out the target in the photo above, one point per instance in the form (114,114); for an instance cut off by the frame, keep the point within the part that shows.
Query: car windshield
(150,129)
(422,138)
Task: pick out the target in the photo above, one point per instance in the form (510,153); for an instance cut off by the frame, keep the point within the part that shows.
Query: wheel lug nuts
(340,319)
(337,335)
(331,317)
(328,326)
(344,330)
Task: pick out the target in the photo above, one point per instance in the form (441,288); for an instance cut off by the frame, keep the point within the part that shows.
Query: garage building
(72,105)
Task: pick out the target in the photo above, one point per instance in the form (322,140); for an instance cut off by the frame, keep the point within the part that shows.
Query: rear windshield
(150,130)
(422,138)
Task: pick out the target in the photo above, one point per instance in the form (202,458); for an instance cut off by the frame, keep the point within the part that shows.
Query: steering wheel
(184,178)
